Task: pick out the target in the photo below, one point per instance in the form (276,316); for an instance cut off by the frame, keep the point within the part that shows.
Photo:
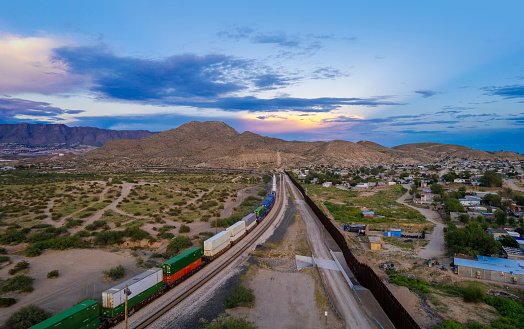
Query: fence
(365,275)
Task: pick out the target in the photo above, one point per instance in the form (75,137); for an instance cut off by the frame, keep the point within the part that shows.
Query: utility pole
(127,292)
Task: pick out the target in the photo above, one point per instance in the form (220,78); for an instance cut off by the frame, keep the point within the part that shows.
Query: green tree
(437,188)
(492,199)
(464,218)
(508,241)
(491,179)
(453,205)
(449,177)
(501,217)
(471,240)
(26,317)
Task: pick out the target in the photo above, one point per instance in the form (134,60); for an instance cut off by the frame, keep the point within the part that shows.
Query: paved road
(435,247)
(339,291)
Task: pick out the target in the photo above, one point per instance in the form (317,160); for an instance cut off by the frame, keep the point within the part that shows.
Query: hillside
(52,134)
(215,144)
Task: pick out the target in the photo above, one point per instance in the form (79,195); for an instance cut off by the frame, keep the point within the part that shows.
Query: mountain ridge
(52,134)
(216,144)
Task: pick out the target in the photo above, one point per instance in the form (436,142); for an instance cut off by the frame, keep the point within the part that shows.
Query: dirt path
(435,247)
(511,184)
(352,313)
(230,204)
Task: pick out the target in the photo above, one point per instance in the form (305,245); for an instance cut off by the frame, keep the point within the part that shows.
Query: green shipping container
(113,312)
(81,316)
(177,263)
(259,211)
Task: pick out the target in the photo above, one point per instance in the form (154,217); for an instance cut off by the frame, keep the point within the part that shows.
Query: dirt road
(341,294)
(435,247)
(511,184)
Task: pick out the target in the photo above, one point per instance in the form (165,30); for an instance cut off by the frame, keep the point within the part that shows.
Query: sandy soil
(80,278)
(285,298)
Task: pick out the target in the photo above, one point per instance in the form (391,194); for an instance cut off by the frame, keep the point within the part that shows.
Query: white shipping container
(115,296)
(238,236)
(213,252)
(237,227)
(216,241)
(249,220)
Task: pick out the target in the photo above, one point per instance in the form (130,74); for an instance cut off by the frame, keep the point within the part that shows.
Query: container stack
(217,243)
(237,230)
(178,266)
(251,221)
(141,286)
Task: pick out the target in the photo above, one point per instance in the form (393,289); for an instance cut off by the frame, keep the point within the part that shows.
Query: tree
(437,188)
(492,199)
(449,177)
(508,241)
(464,218)
(471,240)
(453,205)
(501,217)
(26,317)
(462,191)
(491,179)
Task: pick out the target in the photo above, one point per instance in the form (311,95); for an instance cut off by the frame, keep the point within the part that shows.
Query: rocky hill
(52,134)
(215,144)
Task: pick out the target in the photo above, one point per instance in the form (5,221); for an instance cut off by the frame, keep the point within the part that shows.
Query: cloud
(128,78)
(292,44)
(427,93)
(26,66)
(13,107)
(513,91)
(328,73)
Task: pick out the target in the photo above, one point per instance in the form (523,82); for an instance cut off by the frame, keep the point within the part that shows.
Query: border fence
(396,313)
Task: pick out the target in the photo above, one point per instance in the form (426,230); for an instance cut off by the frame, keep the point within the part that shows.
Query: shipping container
(181,261)
(217,243)
(115,296)
(114,312)
(81,316)
(250,220)
(238,236)
(237,227)
(260,212)
(182,272)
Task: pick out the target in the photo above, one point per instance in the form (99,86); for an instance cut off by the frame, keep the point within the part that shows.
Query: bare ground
(80,278)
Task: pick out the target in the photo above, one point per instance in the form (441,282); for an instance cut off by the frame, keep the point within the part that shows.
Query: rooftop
(493,264)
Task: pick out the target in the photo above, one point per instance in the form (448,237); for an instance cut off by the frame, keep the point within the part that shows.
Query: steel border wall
(396,313)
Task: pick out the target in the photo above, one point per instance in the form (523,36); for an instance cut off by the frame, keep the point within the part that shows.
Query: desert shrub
(184,229)
(20,266)
(4,259)
(240,297)
(53,274)
(207,205)
(20,283)
(229,322)
(109,237)
(177,244)
(3,250)
(13,236)
(136,233)
(96,225)
(32,251)
(115,273)
(474,292)
(166,235)
(262,192)
(26,317)
(82,234)
(416,285)
(6,302)
(74,223)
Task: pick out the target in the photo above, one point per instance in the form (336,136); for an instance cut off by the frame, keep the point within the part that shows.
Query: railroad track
(257,234)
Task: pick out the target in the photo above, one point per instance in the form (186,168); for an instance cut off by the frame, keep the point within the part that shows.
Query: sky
(382,71)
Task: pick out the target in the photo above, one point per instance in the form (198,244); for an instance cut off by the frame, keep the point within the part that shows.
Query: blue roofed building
(491,268)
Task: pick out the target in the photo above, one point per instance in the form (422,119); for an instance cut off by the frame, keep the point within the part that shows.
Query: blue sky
(388,72)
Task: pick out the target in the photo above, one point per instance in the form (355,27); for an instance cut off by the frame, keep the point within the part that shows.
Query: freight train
(152,283)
